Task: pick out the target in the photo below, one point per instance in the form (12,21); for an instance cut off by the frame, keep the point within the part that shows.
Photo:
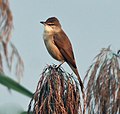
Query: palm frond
(57,93)
(7,49)
(103,87)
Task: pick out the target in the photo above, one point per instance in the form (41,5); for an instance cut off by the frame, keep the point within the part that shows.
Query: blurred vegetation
(8,52)
(9,55)
(103,87)
(11,84)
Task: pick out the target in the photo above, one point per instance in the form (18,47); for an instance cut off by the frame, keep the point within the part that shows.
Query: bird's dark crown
(52,21)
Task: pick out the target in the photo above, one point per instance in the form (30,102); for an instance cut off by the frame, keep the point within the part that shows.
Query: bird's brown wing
(63,44)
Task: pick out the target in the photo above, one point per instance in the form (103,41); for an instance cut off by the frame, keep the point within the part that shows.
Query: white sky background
(90,25)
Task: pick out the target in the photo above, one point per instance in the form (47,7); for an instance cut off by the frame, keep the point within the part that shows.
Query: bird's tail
(78,76)
(81,85)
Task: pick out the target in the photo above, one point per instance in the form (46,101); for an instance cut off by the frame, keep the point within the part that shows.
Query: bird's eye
(50,24)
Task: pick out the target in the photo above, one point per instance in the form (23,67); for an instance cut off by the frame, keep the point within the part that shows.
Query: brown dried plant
(8,52)
(103,87)
(57,93)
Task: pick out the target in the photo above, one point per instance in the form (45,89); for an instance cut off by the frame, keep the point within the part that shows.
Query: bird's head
(51,25)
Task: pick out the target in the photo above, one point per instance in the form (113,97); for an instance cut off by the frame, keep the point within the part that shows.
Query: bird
(59,45)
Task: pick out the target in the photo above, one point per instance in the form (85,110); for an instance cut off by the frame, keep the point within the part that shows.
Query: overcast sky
(90,25)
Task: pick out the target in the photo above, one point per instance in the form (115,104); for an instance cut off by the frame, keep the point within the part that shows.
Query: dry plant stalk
(57,93)
(7,49)
(103,87)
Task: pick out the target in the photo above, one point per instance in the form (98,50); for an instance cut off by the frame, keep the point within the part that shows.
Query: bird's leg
(60,64)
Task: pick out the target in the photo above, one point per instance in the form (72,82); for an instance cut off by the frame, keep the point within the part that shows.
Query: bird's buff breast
(51,47)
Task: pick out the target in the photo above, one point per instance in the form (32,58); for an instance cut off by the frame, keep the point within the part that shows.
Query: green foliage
(10,83)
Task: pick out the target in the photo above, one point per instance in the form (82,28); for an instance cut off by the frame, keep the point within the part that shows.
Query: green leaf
(10,83)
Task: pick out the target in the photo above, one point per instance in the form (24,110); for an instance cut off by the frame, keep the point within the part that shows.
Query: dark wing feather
(63,43)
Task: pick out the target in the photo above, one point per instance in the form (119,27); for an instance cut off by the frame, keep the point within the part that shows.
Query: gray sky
(90,25)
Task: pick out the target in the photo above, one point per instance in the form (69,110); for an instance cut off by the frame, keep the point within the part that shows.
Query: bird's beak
(42,22)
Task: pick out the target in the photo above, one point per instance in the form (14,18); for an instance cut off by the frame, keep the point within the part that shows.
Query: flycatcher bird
(59,45)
